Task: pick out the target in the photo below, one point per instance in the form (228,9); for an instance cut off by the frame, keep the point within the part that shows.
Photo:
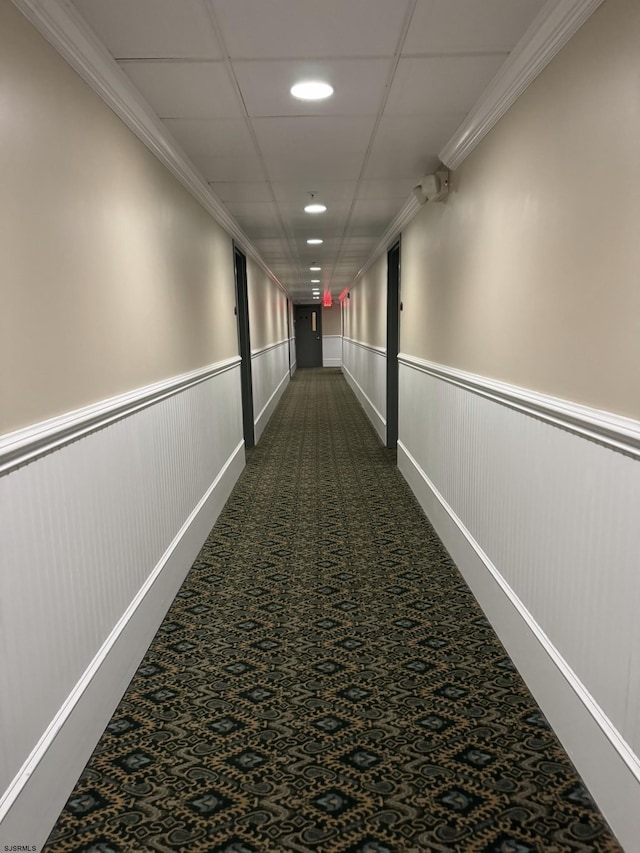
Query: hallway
(325,681)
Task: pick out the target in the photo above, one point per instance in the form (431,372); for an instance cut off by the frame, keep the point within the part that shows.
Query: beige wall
(365,314)
(267,308)
(331,320)
(530,272)
(113,276)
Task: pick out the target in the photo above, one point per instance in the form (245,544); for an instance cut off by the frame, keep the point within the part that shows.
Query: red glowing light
(327,301)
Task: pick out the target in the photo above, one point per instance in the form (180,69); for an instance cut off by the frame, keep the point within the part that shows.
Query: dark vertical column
(289,334)
(244,340)
(393,342)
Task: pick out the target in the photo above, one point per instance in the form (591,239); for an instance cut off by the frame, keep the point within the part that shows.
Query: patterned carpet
(325,681)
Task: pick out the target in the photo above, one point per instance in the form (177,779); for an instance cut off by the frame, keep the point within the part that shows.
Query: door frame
(393,342)
(312,306)
(244,345)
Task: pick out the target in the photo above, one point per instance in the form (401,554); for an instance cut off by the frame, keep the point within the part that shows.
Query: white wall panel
(552,516)
(332,350)
(269,377)
(87,531)
(365,368)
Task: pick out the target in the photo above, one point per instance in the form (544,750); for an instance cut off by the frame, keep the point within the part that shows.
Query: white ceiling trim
(552,28)
(395,229)
(549,32)
(67,32)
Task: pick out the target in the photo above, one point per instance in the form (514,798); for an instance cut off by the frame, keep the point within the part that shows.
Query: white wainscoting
(537,501)
(365,369)
(269,377)
(332,350)
(103,511)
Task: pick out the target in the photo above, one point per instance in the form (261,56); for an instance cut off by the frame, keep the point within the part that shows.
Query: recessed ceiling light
(315,281)
(315,208)
(315,269)
(311,90)
(314,241)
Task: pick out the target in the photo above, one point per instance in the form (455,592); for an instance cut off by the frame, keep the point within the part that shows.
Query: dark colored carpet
(325,681)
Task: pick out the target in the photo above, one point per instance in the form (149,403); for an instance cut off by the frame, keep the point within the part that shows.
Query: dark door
(289,336)
(393,342)
(242,308)
(308,323)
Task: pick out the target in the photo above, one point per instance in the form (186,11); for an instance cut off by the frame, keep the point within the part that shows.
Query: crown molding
(557,21)
(65,29)
(406,214)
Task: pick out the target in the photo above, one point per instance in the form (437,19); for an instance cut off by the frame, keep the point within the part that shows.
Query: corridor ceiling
(218,73)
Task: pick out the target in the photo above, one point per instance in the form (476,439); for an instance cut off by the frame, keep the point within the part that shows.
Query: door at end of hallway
(308,327)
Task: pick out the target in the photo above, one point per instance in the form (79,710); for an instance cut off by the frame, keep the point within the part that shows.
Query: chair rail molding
(614,431)
(24,445)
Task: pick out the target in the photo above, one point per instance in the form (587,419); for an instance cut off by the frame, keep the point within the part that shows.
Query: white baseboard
(606,764)
(378,421)
(263,418)
(39,792)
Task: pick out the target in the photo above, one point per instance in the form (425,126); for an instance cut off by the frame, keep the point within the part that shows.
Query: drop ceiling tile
(228,169)
(256,213)
(293,28)
(374,214)
(440,26)
(271,246)
(359,243)
(442,84)
(386,188)
(224,137)
(314,169)
(147,29)
(255,231)
(386,165)
(333,226)
(359,86)
(185,89)
(242,191)
(294,212)
(313,134)
(319,253)
(404,134)
(327,190)
(407,146)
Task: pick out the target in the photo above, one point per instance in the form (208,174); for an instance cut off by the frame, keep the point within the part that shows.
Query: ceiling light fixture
(315,281)
(311,90)
(314,241)
(315,208)
(315,269)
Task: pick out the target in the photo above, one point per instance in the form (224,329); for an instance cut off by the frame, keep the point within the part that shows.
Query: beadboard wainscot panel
(537,501)
(365,369)
(269,377)
(103,512)
(332,350)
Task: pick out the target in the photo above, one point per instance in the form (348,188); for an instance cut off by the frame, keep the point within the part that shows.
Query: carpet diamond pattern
(325,681)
